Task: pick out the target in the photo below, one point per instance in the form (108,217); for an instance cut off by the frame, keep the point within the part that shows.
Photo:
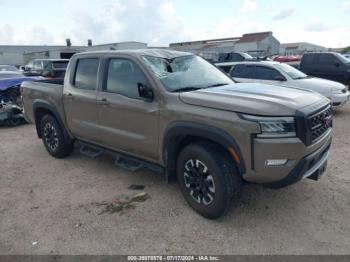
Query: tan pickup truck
(176,113)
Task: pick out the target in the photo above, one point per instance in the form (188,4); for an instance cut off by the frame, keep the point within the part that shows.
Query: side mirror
(279,78)
(145,92)
(336,64)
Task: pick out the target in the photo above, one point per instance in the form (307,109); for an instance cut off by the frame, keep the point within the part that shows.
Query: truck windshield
(186,73)
(247,56)
(342,58)
(291,71)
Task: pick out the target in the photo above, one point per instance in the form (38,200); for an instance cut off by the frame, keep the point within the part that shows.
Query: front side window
(326,59)
(186,72)
(242,71)
(86,73)
(124,78)
(265,73)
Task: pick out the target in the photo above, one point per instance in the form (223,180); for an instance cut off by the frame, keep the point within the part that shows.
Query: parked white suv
(286,75)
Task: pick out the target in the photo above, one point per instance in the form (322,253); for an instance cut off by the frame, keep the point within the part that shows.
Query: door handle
(103,102)
(70,96)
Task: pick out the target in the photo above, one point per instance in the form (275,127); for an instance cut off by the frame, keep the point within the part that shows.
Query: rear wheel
(209,180)
(53,138)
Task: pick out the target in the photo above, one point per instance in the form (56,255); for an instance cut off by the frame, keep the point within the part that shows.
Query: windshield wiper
(186,89)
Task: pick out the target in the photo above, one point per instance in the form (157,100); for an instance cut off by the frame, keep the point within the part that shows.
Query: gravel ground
(48,206)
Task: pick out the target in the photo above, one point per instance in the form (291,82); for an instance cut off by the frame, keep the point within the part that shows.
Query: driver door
(127,122)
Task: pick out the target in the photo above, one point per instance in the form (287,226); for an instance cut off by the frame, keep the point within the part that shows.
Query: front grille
(319,123)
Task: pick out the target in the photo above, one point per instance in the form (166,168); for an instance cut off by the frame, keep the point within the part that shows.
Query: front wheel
(53,138)
(208,178)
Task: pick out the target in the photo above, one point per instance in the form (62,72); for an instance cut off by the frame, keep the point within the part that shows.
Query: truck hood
(253,98)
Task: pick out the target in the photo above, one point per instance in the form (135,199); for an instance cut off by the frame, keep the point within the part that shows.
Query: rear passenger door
(127,123)
(309,64)
(79,98)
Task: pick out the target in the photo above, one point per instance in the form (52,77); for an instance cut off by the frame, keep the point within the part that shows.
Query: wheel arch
(180,134)
(41,108)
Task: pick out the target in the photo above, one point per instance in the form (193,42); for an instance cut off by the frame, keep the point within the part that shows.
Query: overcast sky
(160,22)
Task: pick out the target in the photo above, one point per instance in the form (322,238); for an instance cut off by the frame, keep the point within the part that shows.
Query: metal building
(22,54)
(256,44)
(300,48)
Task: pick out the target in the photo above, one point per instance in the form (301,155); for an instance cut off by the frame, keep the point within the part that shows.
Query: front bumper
(274,159)
(291,149)
(10,113)
(340,99)
(311,166)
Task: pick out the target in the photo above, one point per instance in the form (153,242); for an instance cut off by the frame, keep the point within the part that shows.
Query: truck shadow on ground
(5,125)
(256,200)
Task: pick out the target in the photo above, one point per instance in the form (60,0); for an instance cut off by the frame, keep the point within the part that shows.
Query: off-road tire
(53,138)
(223,172)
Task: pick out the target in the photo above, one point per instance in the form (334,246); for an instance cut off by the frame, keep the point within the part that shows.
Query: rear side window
(226,69)
(265,73)
(242,71)
(60,64)
(86,73)
(308,59)
(124,77)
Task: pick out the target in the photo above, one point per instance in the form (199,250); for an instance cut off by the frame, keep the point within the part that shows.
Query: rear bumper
(311,166)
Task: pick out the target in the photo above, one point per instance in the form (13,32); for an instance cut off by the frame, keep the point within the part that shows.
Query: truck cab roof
(162,53)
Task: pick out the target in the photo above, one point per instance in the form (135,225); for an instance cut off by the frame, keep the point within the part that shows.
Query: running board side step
(90,151)
(124,161)
(127,163)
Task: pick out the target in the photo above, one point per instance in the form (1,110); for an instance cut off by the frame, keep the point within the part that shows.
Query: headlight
(273,126)
(338,91)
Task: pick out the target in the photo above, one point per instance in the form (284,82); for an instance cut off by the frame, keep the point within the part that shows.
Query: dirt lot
(54,201)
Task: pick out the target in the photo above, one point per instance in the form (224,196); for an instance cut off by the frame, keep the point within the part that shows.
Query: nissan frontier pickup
(176,113)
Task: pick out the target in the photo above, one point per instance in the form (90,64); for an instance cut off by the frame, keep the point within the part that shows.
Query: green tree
(346,50)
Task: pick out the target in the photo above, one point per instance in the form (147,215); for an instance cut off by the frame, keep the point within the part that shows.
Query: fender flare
(42,104)
(177,131)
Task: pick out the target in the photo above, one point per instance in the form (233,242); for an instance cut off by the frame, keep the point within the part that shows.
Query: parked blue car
(11,107)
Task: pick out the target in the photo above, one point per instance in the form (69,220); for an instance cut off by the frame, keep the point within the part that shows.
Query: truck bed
(42,91)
